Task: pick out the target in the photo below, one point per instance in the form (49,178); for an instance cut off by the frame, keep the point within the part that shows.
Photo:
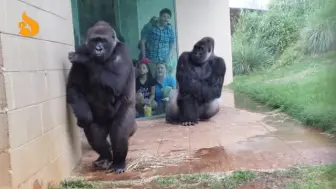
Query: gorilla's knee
(210,109)
(172,108)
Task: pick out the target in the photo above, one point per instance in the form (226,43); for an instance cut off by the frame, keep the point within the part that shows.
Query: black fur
(101,91)
(200,76)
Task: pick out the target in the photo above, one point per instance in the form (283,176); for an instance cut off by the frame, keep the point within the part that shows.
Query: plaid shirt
(158,42)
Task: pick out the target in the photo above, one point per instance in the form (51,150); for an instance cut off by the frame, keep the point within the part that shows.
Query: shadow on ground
(244,135)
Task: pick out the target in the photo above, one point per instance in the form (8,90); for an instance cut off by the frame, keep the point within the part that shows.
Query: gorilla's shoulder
(218,63)
(77,71)
(122,49)
(185,55)
(82,49)
(121,45)
(78,68)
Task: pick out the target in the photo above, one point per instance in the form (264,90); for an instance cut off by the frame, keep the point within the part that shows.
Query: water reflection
(148,28)
(156,65)
(152,92)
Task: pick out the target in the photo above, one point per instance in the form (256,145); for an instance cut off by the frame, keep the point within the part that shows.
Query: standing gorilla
(101,91)
(200,76)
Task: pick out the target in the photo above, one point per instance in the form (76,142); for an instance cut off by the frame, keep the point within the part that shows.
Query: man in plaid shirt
(157,41)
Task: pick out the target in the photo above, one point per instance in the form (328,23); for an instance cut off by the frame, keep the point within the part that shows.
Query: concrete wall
(205,18)
(38,137)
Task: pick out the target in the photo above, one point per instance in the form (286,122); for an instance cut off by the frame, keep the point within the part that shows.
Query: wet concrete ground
(244,135)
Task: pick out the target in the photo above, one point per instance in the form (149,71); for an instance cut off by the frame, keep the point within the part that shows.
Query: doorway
(148,28)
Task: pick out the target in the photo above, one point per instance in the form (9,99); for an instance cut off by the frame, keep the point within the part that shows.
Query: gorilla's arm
(75,89)
(212,87)
(185,79)
(117,69)
(81,55)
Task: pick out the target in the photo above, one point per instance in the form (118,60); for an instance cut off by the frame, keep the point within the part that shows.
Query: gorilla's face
(100,47)
(201,53)
(101,42)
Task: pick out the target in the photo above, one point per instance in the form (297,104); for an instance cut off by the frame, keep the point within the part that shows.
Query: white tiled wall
(38,140)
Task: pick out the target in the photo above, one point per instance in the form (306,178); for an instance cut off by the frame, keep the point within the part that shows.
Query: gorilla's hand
(82,112)
(83,124)
(198,88)
(196,83)
(72,57)
(112,110)
(77,58)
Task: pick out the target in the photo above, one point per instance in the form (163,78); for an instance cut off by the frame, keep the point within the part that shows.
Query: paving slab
(243,135)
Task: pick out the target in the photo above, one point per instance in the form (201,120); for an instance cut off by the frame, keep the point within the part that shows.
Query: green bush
(298,9)
(260,38)
(247,26)
(277,31)
(249,57)
(319,35)
(281,25)
(292,54)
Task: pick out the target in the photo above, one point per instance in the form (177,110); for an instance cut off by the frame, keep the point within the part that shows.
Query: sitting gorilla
(101,91)
(200,76)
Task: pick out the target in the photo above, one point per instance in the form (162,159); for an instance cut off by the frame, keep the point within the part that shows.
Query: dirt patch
(203,160)
(147,162)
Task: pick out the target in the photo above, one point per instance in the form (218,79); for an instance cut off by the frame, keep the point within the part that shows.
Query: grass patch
(304,90)
(319,177)
(229,181)
(77,183)
(323,177)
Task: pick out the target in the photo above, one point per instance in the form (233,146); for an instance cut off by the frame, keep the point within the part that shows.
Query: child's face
(142,69)
(160,70)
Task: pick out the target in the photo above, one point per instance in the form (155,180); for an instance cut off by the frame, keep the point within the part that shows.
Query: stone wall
(38,138)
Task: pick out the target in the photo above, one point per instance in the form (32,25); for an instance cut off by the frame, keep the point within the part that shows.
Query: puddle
(287,129)
(244,135)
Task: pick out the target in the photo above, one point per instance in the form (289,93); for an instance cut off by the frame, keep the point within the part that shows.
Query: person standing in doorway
(152,22)
(157,42)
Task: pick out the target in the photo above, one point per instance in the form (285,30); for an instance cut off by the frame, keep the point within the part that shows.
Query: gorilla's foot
(171,121)
(189,123)
(103,164)
(168,120)
(204,119)
(121,168)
